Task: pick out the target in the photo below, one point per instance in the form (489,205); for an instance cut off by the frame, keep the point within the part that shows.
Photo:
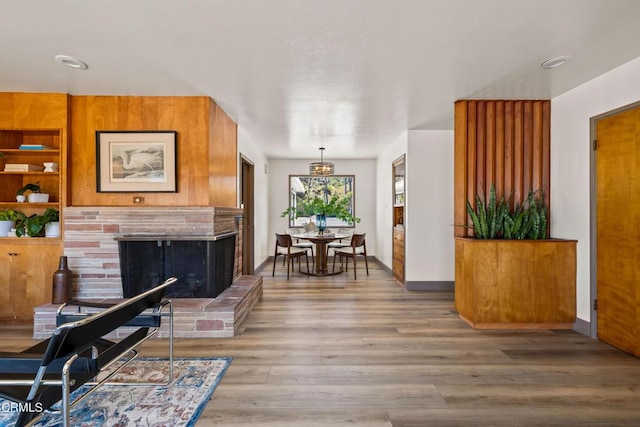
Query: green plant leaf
(495,219)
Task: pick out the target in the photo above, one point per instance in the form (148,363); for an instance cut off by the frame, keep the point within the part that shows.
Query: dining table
(321,241)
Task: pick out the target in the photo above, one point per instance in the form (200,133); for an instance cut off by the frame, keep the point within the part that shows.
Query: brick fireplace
(90,244)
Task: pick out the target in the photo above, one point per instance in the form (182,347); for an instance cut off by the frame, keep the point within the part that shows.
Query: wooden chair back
(358,240)
(284,240)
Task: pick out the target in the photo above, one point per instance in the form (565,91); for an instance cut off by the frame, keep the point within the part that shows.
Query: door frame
(593,231)
(247,186)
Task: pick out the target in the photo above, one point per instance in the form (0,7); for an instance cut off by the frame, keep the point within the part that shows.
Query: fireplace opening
(204,268)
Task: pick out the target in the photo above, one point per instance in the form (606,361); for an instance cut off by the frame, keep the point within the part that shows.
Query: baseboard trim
(434,285)
(262,266)
(582,327)
(383,266)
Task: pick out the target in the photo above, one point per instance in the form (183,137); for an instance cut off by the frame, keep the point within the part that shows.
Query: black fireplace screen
(204,268)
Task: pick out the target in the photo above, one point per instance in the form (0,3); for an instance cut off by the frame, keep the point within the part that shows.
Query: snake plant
(493,219)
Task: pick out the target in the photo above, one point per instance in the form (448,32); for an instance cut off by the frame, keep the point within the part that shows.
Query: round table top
(313,237)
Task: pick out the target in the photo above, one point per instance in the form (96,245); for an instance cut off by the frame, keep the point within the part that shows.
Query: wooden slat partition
(501,142)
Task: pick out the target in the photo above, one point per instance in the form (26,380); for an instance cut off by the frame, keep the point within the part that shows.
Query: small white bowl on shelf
(38,198)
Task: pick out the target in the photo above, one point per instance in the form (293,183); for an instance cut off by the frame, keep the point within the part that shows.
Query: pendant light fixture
(321,168)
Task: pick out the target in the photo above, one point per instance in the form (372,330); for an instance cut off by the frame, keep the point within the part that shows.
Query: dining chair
(341,243)
(284,247)
(358,247)
(300,243)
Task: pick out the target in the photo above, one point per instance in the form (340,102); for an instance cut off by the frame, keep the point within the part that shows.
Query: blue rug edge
(196,414)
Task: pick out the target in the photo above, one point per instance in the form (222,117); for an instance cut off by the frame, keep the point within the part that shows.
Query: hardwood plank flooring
(331,351)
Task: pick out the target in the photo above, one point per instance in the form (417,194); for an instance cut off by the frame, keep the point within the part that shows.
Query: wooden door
(247,185)
(618,229)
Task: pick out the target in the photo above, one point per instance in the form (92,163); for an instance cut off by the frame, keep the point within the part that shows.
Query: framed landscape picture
(136,161)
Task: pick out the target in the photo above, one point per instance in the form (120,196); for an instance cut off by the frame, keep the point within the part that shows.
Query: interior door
(247,184)
(618,229)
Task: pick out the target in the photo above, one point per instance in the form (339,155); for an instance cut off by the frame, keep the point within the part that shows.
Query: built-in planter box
(516,284)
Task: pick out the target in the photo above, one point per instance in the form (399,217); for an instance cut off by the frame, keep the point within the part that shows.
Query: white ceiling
(351,75)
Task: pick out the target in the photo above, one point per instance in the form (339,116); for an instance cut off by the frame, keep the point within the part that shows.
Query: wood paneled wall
(206,144)
(501,142)
(223,158)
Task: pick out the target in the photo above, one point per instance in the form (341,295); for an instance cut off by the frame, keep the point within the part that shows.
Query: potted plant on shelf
(336,206)
(35,225)
(52,227)
(35,194)
(8,219)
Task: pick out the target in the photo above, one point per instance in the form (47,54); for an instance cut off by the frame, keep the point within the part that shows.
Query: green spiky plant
(488,217)
(494,220)
(529,220)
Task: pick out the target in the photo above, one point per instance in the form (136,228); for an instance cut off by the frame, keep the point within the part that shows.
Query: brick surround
(193,317)
(92,254)
(92,251)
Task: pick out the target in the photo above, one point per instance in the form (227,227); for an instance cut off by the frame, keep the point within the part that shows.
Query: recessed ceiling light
(556,62)
(72,62)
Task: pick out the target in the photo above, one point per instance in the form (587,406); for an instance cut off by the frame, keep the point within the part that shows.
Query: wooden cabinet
(26,268)
(516,284)
(27,263)
(398,254)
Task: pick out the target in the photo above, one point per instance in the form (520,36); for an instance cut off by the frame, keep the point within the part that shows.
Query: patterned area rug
(178,404)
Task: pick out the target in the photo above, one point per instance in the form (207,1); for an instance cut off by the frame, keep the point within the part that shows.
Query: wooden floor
(332,351)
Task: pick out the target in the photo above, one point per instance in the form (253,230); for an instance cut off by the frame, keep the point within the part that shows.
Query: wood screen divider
(500,142)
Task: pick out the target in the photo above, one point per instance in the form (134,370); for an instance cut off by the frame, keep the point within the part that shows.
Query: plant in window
(336,206)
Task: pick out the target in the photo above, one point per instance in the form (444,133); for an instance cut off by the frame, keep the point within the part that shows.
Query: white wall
(570,154)
(250,150)
(429,243)
(384,199)
(365,202)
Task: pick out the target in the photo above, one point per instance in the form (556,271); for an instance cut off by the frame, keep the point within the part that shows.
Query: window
(309,194)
